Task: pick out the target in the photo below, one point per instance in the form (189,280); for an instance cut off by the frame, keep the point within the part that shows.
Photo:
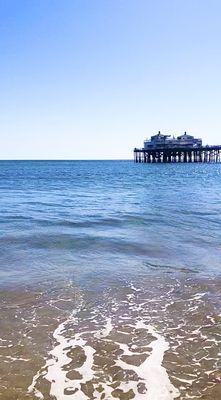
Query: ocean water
(110,280)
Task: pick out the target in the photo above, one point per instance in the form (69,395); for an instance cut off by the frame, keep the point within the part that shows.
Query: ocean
(110,280)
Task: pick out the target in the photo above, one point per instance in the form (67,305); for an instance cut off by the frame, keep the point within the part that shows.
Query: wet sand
(156,338)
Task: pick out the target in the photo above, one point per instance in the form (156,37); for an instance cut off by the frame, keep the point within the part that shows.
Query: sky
(91,79)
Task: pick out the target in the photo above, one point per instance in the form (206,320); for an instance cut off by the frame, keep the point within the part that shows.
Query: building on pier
(184,148)
(166,141)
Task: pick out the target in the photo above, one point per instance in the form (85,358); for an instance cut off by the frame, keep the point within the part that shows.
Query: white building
(166,141)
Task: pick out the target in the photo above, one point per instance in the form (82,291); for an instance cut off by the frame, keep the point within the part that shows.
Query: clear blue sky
(92,78)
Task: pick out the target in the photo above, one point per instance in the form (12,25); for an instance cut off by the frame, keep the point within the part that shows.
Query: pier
(210,154)
(183,149)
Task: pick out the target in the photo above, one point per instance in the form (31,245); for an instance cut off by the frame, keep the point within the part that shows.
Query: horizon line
(66,159)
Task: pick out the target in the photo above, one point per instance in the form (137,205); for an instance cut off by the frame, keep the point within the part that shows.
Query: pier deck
(204,154)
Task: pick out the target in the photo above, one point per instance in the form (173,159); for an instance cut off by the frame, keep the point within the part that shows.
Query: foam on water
(54,371)
(151,370)
(149,373)
(133,345)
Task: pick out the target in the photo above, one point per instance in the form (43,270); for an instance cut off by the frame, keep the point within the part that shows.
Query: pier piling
(207,154)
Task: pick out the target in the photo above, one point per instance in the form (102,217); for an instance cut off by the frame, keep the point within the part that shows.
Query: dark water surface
(110,280)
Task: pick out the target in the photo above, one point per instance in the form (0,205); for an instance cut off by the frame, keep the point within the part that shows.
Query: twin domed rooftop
(161,141)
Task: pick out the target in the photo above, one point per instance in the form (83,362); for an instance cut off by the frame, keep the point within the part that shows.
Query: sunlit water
(110,280)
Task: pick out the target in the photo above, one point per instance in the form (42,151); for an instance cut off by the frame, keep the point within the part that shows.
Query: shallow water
(110,280)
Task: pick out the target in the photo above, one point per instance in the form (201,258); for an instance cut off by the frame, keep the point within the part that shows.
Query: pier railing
(204,154)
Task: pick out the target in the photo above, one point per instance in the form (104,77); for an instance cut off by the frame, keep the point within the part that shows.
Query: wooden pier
(207,154)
